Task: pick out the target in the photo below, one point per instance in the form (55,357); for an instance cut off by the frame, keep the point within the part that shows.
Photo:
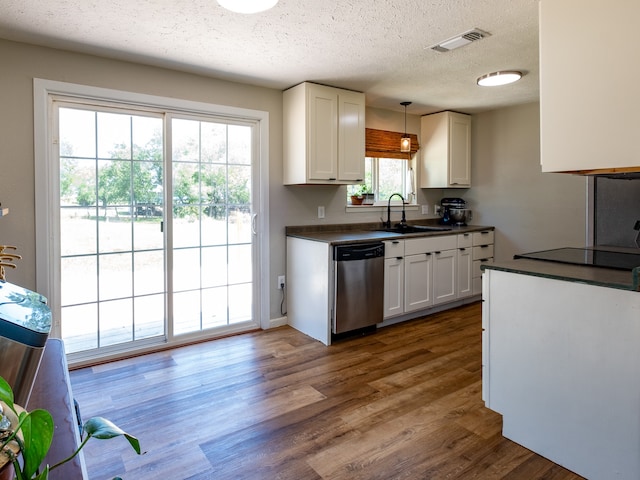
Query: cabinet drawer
(482,252)
(477,271)
(483,238)
(415,246)
(465,240)
(393,248)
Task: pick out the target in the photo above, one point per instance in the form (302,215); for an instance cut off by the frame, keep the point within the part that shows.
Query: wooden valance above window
(386,144)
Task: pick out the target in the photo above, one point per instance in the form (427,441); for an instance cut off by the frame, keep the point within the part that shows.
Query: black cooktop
(587,256)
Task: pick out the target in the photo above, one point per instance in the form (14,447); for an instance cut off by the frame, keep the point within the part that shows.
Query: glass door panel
(111,241)
(212,236)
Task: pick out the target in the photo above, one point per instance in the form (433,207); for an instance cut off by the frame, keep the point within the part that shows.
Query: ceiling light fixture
(247,6)
(499,78)
(405,141)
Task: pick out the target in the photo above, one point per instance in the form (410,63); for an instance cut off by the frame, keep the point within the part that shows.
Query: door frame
(47,183)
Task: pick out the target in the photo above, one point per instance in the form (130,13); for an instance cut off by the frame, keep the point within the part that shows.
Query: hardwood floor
(403,403)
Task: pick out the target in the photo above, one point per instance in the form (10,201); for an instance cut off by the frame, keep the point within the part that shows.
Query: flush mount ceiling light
(499,78)
(247,6)
(405,141)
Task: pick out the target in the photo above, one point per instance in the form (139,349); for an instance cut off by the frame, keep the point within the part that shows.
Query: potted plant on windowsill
(359,193)
(25,438)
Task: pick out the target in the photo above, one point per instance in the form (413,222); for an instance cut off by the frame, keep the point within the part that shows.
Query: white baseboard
(278,322)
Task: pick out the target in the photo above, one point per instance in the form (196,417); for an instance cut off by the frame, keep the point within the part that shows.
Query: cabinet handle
(358,179)
(437,253)
(395,242)
(462,249)
(484,233)
(484,246)
(428,254)
(398,258)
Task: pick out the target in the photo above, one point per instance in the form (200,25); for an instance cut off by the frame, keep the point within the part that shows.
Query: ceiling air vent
(460,40)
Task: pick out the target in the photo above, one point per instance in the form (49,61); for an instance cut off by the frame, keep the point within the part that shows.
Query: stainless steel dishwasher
(359,286)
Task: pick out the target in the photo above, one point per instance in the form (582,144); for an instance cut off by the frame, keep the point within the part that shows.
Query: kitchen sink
(414,229)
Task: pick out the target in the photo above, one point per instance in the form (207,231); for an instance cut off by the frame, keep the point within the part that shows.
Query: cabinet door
(444,276)
(464,274)
(418,286)
(393,287)
(351,136)
(322,132)
(589,114)
(459,150)
(445,157)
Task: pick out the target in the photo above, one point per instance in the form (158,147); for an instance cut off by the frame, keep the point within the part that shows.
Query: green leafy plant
(359,190)
(33,434)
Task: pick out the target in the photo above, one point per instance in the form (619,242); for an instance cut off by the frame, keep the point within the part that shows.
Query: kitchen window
(384,177)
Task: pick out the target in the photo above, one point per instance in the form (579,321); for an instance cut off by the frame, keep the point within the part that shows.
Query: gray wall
(530,210)
(21,63)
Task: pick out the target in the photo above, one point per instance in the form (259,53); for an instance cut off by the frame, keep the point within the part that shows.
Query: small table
(52,392)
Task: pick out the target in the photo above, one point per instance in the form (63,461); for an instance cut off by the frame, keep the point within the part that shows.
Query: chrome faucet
(403,222)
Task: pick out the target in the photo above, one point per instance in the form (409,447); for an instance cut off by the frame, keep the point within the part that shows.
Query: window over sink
(384,177)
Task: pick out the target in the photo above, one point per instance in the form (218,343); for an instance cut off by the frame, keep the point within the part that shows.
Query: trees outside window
(384,177)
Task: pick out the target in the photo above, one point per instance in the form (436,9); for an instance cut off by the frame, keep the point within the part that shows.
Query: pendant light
(405,141)
(247,6)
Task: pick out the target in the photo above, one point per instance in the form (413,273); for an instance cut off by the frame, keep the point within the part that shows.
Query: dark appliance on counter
(592,257)
(25,323)
(359,287)
(453,211)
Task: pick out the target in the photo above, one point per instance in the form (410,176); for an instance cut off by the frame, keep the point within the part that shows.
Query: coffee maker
(453,211)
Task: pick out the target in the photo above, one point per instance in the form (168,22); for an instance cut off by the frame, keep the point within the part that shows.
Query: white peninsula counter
(561,363)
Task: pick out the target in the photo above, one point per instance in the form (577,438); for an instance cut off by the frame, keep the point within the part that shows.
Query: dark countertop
(366,232)
(598,276)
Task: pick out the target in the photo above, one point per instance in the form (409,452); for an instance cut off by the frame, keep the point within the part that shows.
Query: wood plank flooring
(403,403)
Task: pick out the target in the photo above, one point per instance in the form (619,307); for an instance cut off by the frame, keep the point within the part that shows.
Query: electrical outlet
(425,209)
(280,282)
(321,211)
(436,209)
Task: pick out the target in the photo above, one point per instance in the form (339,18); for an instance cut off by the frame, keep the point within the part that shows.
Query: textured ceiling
(379,47)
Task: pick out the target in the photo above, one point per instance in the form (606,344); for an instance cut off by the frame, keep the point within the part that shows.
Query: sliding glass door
(156,226)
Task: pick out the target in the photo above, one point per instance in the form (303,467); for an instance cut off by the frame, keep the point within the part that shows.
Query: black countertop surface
(569,265)
(367,232)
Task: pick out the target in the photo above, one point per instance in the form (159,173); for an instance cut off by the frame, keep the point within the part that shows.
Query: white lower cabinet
(444,276)
(482,254)
(418,286)
(465,265)
(393,278)
(560,364)
(420,273)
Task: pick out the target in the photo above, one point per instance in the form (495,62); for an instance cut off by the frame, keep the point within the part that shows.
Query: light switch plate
(425,209)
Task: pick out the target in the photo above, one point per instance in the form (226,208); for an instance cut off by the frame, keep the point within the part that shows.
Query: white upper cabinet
(589,100)
(324,135)
(445,145)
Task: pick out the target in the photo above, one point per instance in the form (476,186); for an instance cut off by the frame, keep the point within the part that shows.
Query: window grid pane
(383,177)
